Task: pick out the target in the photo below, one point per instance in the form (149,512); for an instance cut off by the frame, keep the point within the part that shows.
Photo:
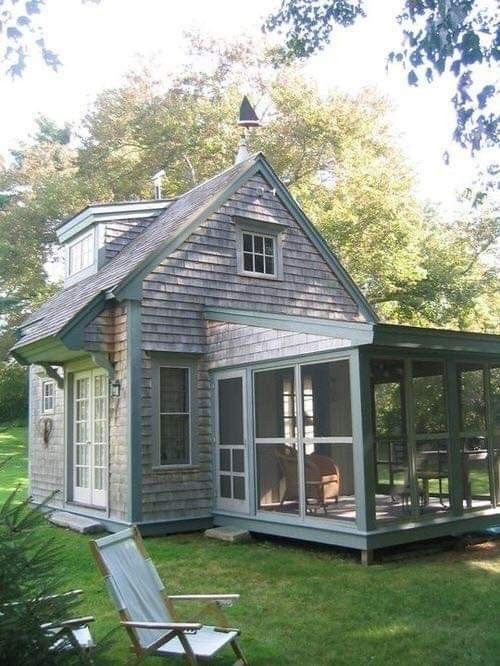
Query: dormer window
(259,254)
(81,254)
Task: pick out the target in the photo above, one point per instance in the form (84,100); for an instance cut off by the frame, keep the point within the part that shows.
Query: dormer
(100,231)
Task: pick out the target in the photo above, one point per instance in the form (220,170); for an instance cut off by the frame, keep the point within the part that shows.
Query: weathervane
(248,118)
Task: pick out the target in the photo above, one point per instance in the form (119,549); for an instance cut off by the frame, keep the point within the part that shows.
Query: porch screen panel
(474,443)
(495,417)
(276,441)
(231,439)
(393,490)
(174,416)
(327,440)
(431,436)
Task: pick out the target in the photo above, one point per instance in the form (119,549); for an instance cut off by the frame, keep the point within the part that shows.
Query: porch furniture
(148,614)
(66,636)
(322,479)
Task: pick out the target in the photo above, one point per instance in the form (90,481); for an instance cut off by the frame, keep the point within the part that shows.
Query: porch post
(134,406)
(455,454)
(363,444)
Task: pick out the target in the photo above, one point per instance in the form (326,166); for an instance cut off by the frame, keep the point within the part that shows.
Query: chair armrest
(70,624)
(204,597)
(72,593)
(181,626)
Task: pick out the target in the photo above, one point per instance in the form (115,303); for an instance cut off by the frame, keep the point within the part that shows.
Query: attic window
(259,254)
(81,254)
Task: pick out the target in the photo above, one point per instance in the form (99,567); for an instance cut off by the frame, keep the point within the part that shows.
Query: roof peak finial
(247,119)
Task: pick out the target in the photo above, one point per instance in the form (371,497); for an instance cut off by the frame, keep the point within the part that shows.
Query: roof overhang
(49,351)
(410,337)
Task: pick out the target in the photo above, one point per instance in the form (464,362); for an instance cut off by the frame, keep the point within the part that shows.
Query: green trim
(455,475)
(73,332)
(134,410)
(360,333)
(320,244)
(101,359)
(413,338)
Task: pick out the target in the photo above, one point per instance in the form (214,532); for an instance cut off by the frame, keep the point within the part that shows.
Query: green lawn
(310,606)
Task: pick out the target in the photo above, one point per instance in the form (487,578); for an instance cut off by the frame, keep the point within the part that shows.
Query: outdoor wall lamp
(115,388)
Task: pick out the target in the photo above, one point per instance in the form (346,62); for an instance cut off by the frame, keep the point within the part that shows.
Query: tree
(336,154)
(457,36)
(21,33)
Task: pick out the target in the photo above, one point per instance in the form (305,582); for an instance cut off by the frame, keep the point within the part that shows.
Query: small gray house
(210,361)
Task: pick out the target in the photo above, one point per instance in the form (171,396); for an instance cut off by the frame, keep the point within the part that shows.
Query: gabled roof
(164,235)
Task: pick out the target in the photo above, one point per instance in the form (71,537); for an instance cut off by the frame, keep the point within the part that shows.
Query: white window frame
(254,254)
(71,247)
(45,384)
(265,230)
(189,414)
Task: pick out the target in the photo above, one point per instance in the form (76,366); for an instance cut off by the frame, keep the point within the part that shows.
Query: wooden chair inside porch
(148,614)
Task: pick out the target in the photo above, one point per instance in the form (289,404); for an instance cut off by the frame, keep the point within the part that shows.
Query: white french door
(231,442)
(90,437)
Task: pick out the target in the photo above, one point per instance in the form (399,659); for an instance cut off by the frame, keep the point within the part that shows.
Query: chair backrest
(132,581)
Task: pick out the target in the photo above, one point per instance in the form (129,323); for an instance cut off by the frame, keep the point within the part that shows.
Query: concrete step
(76,523)
(231,534)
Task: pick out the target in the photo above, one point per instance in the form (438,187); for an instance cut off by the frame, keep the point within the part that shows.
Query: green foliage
(13,392)
(336,153)
(29,576)
(457,36)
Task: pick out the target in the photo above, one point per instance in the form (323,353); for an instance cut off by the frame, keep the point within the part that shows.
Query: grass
(308,605)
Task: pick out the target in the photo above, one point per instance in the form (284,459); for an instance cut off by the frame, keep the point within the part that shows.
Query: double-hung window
(259,254)
(81,254)
(175,416)
(48,396)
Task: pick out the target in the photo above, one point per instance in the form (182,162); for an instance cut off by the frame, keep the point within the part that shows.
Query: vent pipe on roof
(157,183)
(248,118)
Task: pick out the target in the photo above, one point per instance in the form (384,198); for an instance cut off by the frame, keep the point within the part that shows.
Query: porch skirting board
(385,536)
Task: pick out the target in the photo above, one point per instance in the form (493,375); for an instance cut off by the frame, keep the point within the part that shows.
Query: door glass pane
(275,413)
(230,411)
(238,460)
(329,472)
(393,492)
(225,460)
(277,477)
(473,437)
(225,485)
(239,487)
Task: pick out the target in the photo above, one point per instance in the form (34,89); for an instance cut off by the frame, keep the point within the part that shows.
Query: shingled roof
(60,309)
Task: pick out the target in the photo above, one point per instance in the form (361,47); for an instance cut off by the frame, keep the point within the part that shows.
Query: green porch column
(455,455)
(363,442)
(134,405)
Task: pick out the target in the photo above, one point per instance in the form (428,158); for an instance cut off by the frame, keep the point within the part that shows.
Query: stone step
(231,534)
(76,523)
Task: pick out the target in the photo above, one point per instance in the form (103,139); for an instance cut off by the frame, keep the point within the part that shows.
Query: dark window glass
(225,485)
(269,246)
(269,265)
(247,243)
(174,416)
(238,460)
(173,389)
(259,263)
(230,411)
(239,487)
(258,242)
(225,460)
(275,403)
(248,262)
(326,399)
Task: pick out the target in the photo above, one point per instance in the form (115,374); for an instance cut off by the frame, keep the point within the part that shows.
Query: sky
(99,43)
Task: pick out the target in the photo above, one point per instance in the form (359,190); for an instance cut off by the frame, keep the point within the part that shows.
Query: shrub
(13,392)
